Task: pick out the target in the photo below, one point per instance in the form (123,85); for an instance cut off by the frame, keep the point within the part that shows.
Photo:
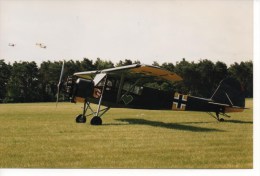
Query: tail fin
(229,92)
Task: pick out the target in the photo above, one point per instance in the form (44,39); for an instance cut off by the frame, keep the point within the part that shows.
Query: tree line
(27,82)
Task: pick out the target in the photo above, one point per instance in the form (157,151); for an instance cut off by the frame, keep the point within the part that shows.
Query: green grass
(38,135)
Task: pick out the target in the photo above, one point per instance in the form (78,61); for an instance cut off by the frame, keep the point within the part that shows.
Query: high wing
(136,70)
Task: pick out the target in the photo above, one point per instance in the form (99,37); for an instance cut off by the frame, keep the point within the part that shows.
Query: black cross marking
(180,101)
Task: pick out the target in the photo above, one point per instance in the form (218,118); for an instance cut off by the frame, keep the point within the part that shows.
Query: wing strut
(118,98)
(100,99)
(96,120)
(229,99)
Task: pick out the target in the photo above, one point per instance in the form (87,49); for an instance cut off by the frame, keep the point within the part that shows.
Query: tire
(81,119)
(221,120)
(96,120)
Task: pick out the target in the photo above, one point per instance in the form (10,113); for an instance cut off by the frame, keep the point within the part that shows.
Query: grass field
(38,135)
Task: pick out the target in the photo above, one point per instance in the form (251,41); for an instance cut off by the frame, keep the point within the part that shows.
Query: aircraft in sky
(126,87)
(11,44)
(41,45)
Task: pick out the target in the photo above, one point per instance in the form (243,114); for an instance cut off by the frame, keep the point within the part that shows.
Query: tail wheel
(96,120)
(81,119)
(221,120)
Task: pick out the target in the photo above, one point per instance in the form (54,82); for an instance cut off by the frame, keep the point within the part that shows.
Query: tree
(100,64)
(124,63)
(207,82)
(244,73)
(200,79)
(155,63)
(25,82)
(5,72)
(87,65)
(50,75)
(23,85)
(191,78)
(44,76)
(168,66)
(220,72)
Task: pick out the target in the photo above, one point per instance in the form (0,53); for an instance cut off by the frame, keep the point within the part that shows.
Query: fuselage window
(109,85)
(133,89)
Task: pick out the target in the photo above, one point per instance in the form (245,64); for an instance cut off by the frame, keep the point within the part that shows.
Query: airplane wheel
(96,120)
(81,119)
(221,120)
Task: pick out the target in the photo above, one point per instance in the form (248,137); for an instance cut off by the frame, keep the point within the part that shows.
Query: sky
(162,31)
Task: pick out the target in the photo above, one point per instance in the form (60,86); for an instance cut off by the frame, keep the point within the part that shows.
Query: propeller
(60,83)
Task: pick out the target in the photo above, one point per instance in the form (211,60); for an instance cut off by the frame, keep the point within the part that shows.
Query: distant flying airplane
(41,45)
(126,87)
(11,44)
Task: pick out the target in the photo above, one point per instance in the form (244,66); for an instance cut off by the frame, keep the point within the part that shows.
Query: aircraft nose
(79,88)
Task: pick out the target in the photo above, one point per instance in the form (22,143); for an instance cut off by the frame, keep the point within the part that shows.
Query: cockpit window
(133,89)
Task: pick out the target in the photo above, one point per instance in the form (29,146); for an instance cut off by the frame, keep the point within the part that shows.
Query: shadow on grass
(197,122)
(114,124)
(238,121)
(175,126)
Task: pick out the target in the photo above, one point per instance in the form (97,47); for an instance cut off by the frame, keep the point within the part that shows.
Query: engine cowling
(79,88)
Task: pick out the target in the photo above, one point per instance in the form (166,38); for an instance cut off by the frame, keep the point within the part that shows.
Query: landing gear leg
(219,119)
(217,116)
(96,120)
(81,118)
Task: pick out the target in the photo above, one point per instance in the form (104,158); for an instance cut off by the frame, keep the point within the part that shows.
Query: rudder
(230,92)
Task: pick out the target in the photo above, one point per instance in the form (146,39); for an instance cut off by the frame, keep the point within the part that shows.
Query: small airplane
(41,45)
(125,87)
(11,44)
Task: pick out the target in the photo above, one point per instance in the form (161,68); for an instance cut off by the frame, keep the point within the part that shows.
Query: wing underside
(135,70)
